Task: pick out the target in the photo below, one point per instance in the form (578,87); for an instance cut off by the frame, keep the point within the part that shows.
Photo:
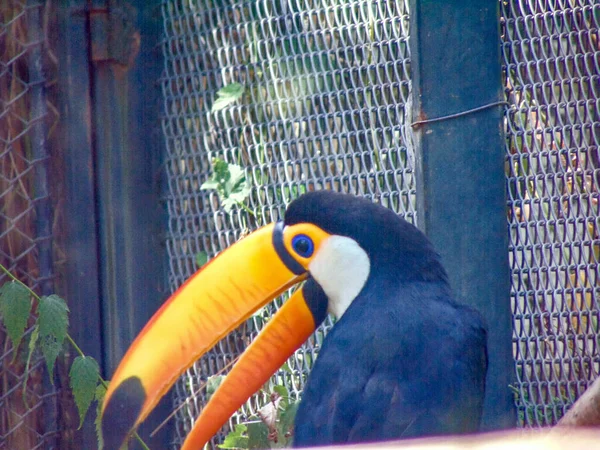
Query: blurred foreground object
(557,438)
(586,410)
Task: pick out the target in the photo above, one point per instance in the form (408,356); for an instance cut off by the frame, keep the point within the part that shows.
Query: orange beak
(213,302)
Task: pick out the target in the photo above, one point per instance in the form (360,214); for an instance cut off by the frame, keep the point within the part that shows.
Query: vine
(50,331)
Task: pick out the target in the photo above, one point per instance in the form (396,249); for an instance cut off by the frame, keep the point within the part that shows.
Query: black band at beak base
(316,300)
(282,252)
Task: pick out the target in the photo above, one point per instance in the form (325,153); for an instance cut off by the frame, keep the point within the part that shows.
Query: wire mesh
(326,87)
(551,53)
(27,419)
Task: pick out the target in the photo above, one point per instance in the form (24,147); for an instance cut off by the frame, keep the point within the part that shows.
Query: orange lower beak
(286,331)
(205,309)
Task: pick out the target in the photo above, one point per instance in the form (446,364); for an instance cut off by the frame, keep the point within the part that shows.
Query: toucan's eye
(303,245)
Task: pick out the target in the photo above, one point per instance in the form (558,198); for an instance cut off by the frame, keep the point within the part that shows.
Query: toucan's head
(336,242)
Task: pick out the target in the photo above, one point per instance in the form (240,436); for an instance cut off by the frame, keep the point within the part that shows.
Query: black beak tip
(121,412)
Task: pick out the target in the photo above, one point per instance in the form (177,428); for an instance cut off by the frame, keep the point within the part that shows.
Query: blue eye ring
(303,245)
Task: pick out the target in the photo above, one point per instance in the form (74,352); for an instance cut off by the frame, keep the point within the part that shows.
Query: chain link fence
(327,98)
(326,88)
(551,53)
(27,418)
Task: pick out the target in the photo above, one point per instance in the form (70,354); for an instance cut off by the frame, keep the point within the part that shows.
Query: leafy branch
(272,427)
(229,180)
(48,336)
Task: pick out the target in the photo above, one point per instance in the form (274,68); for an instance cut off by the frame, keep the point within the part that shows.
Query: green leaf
(227,95)
(221,171)
(53,317)
(15,307)
(99,397)
(35,334)
(201,259)
(241,193)
(236,439)
(53,321)
(238,187)
(230,182)
(227,204)
(83,379)
(219,179)
(282,391)
(221,102)
(258,436)
(210,185)
(286,368)
(231,90)
(286,422)
(237,176)
(236,197)
(212,383)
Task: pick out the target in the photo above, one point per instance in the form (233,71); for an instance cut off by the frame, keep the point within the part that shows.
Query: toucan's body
(403,360)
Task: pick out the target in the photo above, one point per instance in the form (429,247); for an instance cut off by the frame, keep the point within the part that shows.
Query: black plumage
(405,359)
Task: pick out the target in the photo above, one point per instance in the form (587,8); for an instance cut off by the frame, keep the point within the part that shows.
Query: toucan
(404,359)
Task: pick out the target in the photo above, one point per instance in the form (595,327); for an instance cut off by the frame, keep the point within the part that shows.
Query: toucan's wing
(363,406)
(347,401)
(384,415)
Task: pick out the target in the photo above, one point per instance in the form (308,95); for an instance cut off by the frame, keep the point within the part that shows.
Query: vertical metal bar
(41,195)
(128,161)
(460,170)
(79,238)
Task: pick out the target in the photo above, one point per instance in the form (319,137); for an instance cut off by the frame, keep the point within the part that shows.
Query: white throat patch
(341,267)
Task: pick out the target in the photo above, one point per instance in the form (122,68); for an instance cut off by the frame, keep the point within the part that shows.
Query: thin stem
(75,346)
(141,441)
(245,208)
(7,272)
